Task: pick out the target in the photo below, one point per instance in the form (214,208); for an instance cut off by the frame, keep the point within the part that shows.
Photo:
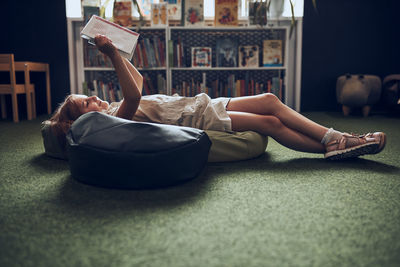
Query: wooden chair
(13,89)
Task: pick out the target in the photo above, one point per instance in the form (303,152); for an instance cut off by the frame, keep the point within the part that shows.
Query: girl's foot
(351,146)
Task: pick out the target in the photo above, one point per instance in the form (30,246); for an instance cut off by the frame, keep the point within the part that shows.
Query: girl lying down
(263,113)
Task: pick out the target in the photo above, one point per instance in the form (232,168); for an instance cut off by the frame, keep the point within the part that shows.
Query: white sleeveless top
(199,111)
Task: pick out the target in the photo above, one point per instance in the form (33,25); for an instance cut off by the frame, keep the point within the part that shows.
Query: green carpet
(284,208)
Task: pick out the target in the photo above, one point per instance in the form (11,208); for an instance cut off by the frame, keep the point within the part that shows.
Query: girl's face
(89,103)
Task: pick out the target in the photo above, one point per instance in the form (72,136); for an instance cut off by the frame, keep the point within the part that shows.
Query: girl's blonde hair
(62,119)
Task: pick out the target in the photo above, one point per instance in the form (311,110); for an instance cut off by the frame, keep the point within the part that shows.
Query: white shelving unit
(250,35)
(291,66)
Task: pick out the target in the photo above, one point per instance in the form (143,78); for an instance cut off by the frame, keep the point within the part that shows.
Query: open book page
(124,39)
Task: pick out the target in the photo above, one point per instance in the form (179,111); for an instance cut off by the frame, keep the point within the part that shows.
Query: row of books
(228,54)
(111,92)
(157,86)
(92,57)
(189,12)
(150,53)
(230,87)
(226,12)
(107,91)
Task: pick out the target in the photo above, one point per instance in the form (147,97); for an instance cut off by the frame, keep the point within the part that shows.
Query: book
(89,11)
(122,13)
(194,13)
(150,53)
(248,56)
(226,52)
(174,9)
(124,39)
(144,7)
(258,13)
(201,57)
(276,87)
(170,53)
(272,53)
(226,13)
(159,16)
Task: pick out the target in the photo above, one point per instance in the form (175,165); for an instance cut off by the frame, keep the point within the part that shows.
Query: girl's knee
(271,124)
(272,102)
(270,98)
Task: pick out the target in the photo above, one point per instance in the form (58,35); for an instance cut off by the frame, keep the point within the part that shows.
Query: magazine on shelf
(272,53)
(145,8)
(194,13)
(227,52)
(175,9)
(258,13)
(159,15)
(89,11)
(124,39)
(201,57)
(226,13)
(122,13)
(248,56)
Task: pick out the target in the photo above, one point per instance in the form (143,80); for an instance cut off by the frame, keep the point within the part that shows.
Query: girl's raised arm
(131,84)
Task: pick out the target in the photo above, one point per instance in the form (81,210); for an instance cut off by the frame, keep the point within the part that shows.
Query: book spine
(144,53)
(156,53)
(171,53)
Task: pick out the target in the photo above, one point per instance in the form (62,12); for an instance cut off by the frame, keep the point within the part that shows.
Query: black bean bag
(112,152)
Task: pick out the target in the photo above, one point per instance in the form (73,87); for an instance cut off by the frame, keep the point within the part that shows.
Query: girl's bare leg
(272,126)
(269,104)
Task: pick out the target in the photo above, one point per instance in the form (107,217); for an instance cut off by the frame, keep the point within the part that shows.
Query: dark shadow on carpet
(43,162)
(265,163)
(74,194)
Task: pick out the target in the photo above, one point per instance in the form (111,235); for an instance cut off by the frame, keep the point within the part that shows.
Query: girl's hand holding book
(105,45)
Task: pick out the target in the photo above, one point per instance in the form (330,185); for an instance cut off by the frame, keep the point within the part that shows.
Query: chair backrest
(7,64)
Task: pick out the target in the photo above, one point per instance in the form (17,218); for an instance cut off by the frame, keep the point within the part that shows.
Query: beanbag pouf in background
(107,151)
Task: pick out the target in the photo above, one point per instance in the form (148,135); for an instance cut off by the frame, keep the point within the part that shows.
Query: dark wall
(37,31)
(346,36)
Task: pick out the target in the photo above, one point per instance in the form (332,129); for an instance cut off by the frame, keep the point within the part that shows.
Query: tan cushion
(235,146)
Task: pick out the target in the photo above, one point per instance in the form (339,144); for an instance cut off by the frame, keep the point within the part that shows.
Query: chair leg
(28,103)
(34,104)
(3,107)
(14,101)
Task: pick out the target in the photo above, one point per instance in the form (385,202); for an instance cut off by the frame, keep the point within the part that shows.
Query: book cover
(272,53)
(194,13)
(258,13)
(122,13)
(248,56)
(226,13)
(227,52)
(159,14)
(174,9)
(123,38)
(201,57)
(89,11)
